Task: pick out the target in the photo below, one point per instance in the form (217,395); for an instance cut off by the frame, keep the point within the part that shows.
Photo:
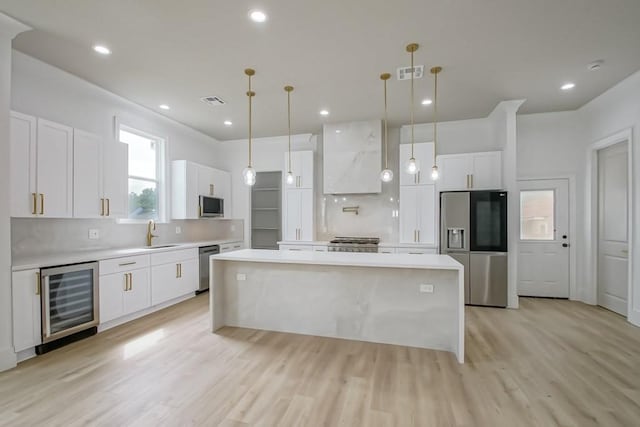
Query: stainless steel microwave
(211,207)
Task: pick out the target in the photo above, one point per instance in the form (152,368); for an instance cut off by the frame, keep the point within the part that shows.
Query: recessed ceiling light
(568,86)
(103,50)
(338,131)
(426,101)
(228,122)
(324,112)
(257,16)
(164,107)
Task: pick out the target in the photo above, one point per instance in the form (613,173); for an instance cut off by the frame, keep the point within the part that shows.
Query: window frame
(553,213)
(161,171)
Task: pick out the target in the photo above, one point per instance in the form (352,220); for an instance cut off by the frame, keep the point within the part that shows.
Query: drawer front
(296,248)
(418,251)
(386,250)
(119,265)
(320,249)
(233,246)
(173,256)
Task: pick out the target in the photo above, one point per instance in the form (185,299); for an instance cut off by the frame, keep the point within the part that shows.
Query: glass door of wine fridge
(69,300)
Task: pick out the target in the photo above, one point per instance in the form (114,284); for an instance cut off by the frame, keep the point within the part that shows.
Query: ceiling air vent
(213,100)
(404,73)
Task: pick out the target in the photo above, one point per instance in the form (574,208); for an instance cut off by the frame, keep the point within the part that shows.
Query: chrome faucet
(150,226)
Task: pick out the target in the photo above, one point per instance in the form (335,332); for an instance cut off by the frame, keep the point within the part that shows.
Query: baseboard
(7,359)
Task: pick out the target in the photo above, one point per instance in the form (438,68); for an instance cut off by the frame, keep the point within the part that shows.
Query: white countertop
(381,244)
(62,258)
(305,242)
(426,262)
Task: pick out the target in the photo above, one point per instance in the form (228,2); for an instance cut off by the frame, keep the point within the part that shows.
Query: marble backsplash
(36,236)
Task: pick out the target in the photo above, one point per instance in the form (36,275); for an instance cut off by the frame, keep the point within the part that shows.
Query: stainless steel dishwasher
(205,253)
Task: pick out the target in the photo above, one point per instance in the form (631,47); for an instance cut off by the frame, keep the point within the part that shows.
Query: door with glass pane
(544,241)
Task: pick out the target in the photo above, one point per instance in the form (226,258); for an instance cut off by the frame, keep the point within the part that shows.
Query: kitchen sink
(160,246)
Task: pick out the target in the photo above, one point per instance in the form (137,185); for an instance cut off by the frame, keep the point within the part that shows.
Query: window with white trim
(146,174)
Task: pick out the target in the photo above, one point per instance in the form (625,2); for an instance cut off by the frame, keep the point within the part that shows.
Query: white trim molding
(591,286)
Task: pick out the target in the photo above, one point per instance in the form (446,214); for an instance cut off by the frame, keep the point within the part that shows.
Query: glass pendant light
(412,166)
(387,174)
(289,89)
(249,174)
(435,174)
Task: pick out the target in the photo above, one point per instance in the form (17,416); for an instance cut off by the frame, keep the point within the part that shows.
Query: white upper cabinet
(423,153)
(470,171)
(298,218)
(352,157)
(301,167)
(23,165)
(100,172)
(41,168)
(418,214)
(189,181)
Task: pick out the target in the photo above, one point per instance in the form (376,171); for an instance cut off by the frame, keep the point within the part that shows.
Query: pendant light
(249,174)
(435,174)
(387,174)
(412,166)
(289,89)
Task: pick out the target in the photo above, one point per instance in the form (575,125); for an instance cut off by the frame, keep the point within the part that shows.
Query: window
(537,215)
(146,174)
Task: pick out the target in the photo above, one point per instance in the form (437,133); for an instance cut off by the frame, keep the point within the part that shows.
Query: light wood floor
(549,363)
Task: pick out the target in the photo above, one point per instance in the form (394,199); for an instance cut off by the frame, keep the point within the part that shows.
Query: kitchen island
(402,299)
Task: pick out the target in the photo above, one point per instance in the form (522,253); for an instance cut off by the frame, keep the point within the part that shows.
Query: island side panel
(374,304)
(460,340)
(216,293)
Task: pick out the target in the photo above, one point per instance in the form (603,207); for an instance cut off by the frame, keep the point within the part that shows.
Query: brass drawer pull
(35,204)
(127,263)
(41,204)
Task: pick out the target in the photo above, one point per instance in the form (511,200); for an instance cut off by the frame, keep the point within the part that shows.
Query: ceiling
(332,52)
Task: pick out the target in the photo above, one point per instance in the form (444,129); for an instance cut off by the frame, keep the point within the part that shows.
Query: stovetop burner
(356,240)
(354,244)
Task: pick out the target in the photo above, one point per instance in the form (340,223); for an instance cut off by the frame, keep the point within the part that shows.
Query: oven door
(69,300)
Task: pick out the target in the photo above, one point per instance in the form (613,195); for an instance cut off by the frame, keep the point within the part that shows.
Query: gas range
(354,244)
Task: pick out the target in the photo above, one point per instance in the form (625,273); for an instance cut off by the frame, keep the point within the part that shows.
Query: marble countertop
(352,259)
(61,258)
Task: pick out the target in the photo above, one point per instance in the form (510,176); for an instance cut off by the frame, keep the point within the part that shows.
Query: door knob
(565,245)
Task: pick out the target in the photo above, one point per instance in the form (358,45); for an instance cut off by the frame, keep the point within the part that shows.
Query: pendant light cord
(435,113)
(250,95)
(386,134)
(412,101)
(289,122)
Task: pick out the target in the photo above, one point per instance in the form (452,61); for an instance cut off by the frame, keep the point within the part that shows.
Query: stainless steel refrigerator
(473,231)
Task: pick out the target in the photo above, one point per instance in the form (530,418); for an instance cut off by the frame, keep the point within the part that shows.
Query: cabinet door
(423,153)
(426,200)
(291,218)
(55,169)
(138,297)
(23,165)
(112,289)
(163,283)
(115,180)
(222,189)
(25,295)
(454,171)
(408,214)
(206,181)
(306,215)
(189,277)
(303,168)
(88,201)
(486,171)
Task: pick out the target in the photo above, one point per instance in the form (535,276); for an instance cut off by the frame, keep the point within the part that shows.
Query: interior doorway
(544,250)
(613,227)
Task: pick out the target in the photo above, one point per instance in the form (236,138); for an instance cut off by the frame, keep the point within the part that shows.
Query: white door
(23,165)
(138,297)
(423,153)
(544,246)
(189,276)
(115,180)
(302,168)
(112,288)
(55,169)
(206,185)
(25,294)
(426,214)
(486,171)
(292,214)
(454,172)
(613,228)
(306,215)
(87,175)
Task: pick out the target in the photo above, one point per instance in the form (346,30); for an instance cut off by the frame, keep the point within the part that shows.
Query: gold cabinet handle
(130,281)
(41,204)
(38,286)
(177,271)
(471,178)
(201,210)
(126,282)
(180,269)
(418,177)
(101,207)
(108,206)
(418,235)
(211,189)
(35,204)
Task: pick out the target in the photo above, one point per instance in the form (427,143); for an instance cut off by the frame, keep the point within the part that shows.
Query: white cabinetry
(25,293)
(189,181)
(99,177)
(470,171)
(423,153)
(417,214)
(232,246)
(41,168)
(301,167)
(173,274)
(298,214)
(125,287)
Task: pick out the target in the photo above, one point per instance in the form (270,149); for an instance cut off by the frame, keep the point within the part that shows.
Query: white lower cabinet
(417,251)
(124,293)
(296,248)
(25,294)
(173,274)
(233,246)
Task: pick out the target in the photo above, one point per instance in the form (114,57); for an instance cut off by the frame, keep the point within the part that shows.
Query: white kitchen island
(359,296)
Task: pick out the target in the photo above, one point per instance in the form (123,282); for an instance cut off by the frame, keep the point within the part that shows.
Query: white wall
(615,110)
(455,137)
(9,28)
